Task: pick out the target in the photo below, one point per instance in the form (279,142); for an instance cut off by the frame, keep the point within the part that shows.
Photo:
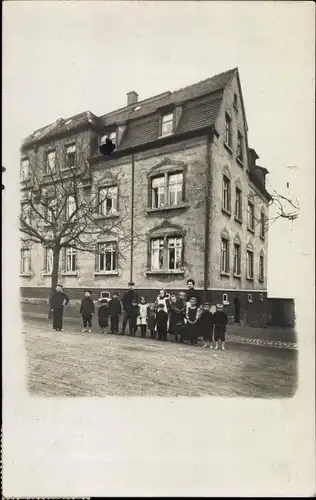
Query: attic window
(137,108)
(111,136)
(167,124)
(68,122)
(36,134)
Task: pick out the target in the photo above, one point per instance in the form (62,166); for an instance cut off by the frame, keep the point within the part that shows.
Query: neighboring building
(194,189)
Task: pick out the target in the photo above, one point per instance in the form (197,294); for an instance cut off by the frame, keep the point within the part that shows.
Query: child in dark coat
(176,317)
(103,315)
(133,313)
(161,322)
(152,320)
(115,309)
(220,322)
(205,325)
(87,311)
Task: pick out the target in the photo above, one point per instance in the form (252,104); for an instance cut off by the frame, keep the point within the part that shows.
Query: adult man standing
(127,300)
(57,302)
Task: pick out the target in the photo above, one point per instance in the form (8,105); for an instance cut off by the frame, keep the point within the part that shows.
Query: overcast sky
(61,58)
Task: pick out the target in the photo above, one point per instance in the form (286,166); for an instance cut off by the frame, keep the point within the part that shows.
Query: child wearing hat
(87,311)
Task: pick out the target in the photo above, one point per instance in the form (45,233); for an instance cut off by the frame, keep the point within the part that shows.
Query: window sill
(261,280)
(166,208)
(25,275)
(226,212)
(225,274)
(105,273)
(109,216)
(249,279)
(229,149)
(46,274)
(69,273)
(165,272)
(238,220)
(165,135)
(250,230)
(237,276)
(241,163)
(70,167)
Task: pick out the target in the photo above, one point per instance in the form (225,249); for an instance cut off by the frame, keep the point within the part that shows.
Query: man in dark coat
(127,300)
(220,322)
(87,310)
(115,307)
(191,292)
(57,302)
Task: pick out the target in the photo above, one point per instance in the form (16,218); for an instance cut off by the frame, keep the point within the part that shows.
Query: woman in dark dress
(191,328)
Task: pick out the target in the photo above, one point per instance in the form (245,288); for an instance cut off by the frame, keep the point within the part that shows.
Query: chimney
(132,97)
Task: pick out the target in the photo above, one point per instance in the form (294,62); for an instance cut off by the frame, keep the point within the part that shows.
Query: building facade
(188,193)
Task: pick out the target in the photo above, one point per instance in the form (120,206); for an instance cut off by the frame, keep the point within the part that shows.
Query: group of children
(182,316)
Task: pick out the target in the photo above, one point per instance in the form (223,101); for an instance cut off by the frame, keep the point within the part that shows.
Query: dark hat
(89,291)
(103,301)
(207,304)
(114,293)
(131,283)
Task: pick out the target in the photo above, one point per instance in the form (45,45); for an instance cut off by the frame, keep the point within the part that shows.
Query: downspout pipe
(132,219)
(207,222)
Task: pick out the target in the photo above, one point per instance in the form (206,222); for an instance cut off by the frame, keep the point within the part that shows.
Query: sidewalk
(261,337)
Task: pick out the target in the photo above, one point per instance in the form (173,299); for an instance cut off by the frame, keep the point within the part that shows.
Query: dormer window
(110,135)
(167,124)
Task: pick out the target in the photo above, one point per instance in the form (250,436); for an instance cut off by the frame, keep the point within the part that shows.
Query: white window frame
(224,253)
(161,246)
(175,243)
(49,258)
(69,212)
(107,193)
(226,193)
(25,169)
(251,216)
(228,130)
(158,189)
(238,206)
(111,135)
(48,167)
(166,124)
(25,264)
(70,258)
(103,250)
(71,150)
(261,297)
(225,299)
(249,275)
(237,259)
(175,187)
(157,248)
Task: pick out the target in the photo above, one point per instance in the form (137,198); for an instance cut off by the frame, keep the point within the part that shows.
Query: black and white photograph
(161,153)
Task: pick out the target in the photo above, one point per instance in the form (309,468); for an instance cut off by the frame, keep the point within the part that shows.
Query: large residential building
(191,187)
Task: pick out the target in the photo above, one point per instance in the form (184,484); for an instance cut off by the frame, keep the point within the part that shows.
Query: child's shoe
(89,330)
(84,330)
(216,346)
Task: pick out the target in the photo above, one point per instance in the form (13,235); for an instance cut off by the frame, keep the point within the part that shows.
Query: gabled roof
(62,125)
(200,106)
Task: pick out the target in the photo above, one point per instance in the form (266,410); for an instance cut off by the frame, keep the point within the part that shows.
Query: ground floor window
(71,259)
(107,257)
(25,261)
(48,260)
(166,253)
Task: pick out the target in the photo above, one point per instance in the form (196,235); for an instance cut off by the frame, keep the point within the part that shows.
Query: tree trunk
(55,271)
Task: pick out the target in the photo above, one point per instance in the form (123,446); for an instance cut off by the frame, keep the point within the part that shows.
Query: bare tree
(61,206)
